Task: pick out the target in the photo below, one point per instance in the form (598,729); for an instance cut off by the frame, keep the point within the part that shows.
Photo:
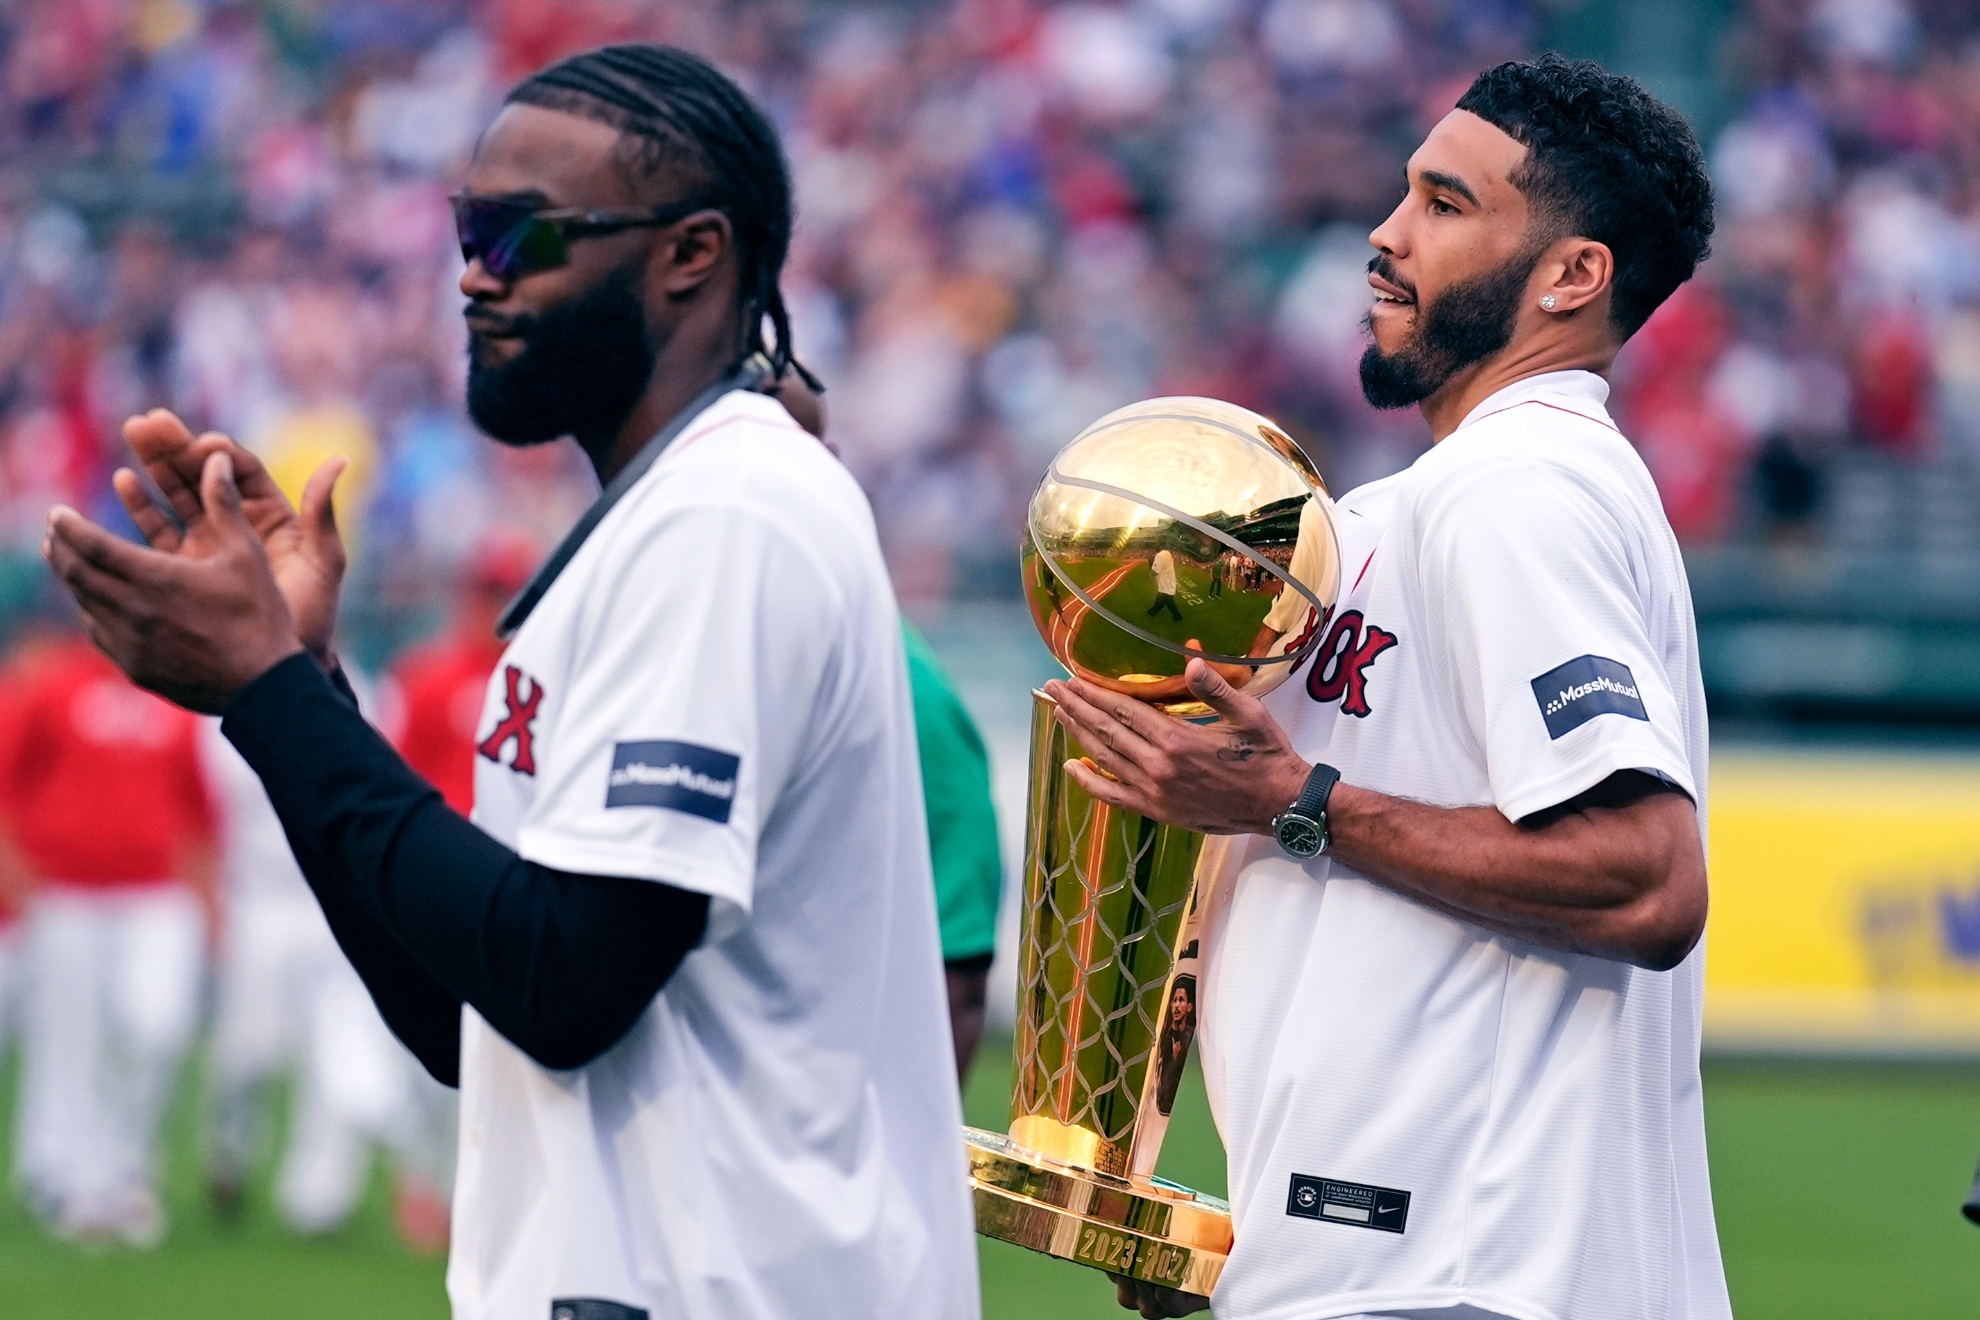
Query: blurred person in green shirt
(962,835)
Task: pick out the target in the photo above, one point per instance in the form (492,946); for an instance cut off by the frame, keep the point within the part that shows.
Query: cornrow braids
(678,110)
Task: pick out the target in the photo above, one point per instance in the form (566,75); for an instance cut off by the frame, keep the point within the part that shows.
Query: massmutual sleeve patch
(1354,1204)
(677,775)
(1587,686)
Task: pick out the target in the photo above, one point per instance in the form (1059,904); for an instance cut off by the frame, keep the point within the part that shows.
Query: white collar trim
(1583,392)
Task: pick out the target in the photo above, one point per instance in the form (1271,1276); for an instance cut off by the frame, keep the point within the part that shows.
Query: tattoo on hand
(1239,749)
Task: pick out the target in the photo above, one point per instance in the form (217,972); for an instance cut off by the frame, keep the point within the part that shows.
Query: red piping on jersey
(698,436)
(1542,403)
(1364,569)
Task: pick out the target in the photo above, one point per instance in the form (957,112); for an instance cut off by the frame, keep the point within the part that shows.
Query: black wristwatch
(1302,828)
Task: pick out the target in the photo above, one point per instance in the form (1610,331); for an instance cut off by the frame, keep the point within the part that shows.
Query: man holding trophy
(1445,953)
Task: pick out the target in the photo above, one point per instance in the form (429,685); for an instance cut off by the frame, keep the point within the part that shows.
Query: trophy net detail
(1105,896)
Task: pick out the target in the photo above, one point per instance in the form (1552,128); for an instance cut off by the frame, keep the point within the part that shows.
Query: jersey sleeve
(691,696)
(1539,625)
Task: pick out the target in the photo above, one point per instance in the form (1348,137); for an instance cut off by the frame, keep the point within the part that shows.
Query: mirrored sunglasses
(511,239)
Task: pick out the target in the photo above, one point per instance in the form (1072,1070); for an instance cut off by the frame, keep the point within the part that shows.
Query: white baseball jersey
(714,695)
(1420,1112)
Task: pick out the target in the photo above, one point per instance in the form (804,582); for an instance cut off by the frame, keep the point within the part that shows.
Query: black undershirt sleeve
(432,912)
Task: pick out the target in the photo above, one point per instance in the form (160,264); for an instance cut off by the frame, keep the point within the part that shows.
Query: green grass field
(1837,1191)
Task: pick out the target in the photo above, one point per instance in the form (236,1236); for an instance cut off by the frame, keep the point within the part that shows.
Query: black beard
(1468,322)
(582,367)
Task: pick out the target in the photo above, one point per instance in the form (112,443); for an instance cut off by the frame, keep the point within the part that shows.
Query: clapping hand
(233,582)
(304,550)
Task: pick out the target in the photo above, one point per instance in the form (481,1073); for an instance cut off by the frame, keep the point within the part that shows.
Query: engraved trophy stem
(1102,1036)
(1105,895)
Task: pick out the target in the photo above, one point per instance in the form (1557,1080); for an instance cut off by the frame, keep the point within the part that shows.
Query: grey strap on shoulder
(753,375)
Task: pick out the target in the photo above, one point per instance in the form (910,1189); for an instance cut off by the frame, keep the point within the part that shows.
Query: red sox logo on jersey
(518,725)
(1340,664)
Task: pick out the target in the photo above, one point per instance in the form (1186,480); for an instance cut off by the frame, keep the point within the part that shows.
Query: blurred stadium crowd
(1014,216)
(1837,328)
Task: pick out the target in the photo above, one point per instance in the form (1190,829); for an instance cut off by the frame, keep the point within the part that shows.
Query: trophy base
(1147,1229)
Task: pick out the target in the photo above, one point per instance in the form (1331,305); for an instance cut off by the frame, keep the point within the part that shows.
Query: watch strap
(1312,800)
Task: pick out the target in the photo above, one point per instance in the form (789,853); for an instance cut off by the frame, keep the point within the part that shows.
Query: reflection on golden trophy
(1171,529)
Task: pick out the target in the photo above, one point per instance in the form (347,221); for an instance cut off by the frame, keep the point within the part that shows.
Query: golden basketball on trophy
(1172,529)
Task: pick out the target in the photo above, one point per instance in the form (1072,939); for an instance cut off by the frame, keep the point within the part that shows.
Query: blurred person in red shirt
(528,35)
(16,880)
(102,801)
(436,691)
(1695,451)
(1892,384)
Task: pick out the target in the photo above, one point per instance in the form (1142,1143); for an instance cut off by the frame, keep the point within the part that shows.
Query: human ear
(690,254)
(1576,273)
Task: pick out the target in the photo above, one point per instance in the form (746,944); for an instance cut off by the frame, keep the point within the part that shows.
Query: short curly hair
(1608,161)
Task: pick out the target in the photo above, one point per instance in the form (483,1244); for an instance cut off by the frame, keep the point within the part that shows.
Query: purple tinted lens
(509,240)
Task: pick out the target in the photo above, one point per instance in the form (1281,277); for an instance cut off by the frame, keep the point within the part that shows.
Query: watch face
(1299,836)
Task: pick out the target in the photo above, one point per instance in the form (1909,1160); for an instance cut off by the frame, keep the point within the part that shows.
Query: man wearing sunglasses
(684,963)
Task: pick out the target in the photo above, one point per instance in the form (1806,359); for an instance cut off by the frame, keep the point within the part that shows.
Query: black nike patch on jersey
(1572,694)
(593,1308)
(1353,1204)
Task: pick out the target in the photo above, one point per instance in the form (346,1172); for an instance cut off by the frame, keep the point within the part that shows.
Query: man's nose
(478,283)
(1388,236)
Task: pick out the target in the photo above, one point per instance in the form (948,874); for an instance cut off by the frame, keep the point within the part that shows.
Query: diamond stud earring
(1547,301)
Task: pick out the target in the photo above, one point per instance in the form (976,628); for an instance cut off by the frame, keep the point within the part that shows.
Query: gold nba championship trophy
(1170,529)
